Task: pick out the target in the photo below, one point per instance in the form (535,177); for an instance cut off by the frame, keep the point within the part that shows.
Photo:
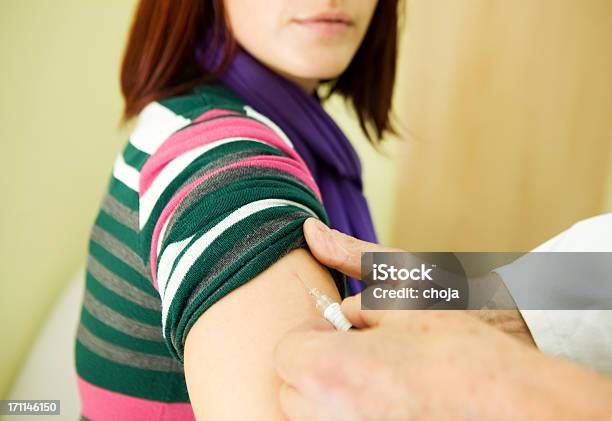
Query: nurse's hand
(343,252)
(424,364)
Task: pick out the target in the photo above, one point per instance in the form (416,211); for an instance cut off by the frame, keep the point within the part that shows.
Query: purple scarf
(327,152)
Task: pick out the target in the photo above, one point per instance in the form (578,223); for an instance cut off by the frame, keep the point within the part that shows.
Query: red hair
(159,58)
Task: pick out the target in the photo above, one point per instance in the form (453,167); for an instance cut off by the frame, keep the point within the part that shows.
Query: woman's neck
(309,85)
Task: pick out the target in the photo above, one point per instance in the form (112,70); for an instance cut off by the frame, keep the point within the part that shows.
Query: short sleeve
(220,201)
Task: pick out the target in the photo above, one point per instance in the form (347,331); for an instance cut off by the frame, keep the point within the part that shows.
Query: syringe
(331,310)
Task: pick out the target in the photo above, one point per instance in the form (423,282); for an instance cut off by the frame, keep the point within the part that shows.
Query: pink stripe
(214,113)
(208,114)
(278,162)
(201,134)
(102,404)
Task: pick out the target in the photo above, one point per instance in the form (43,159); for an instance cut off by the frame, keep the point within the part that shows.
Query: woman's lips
(329,23)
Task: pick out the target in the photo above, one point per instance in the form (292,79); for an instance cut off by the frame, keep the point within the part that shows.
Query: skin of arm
(229,350)
(508,320)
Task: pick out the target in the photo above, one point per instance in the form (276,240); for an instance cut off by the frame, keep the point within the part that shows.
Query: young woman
(196,255)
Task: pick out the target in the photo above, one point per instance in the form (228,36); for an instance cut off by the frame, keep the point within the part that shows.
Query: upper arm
(222,203)
(228,353)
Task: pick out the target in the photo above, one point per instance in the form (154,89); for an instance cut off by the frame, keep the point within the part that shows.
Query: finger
(323,247)
(338,250)
(299,351)
(298,407)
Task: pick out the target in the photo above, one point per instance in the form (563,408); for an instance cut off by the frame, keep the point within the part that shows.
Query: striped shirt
(206,194)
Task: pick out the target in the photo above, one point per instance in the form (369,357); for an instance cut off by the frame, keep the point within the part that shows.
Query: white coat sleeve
(584,336)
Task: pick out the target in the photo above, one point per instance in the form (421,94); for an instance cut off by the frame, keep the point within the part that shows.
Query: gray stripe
(126,356)
(120,212)
(119,322)
(119,250)
(237,252)
(221,162)
(220,180)
(186,202)
(250,241)
(120,286)
(148,275)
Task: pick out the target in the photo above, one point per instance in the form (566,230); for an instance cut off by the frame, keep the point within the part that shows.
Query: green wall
(60,107)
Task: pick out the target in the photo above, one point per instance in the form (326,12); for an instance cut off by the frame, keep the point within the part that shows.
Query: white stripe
(162,233)
(155,124)
(199,246)
(171,171)
(265,120)
(126,174)
(166,261)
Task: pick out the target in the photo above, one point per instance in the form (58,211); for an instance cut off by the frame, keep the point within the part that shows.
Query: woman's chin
(317,69)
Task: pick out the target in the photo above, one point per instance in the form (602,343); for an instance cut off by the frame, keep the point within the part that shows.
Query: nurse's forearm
(508,318)
(559,389)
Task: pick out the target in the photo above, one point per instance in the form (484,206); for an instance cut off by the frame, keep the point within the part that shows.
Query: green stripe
(121,305)
(120,212)
(123,194)
(209,159)
(121,269)
(103,331)
(134,157)
(226,149)
(122,287)
(122,233)
(216,158)
(218,204)
(132,381)
(121,251)
(203,98)
(187,106)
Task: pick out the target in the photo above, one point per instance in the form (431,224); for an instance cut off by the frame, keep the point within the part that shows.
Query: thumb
(337,250)
(360,319)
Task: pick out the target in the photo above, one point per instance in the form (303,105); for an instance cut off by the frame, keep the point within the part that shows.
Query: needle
(331,310)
